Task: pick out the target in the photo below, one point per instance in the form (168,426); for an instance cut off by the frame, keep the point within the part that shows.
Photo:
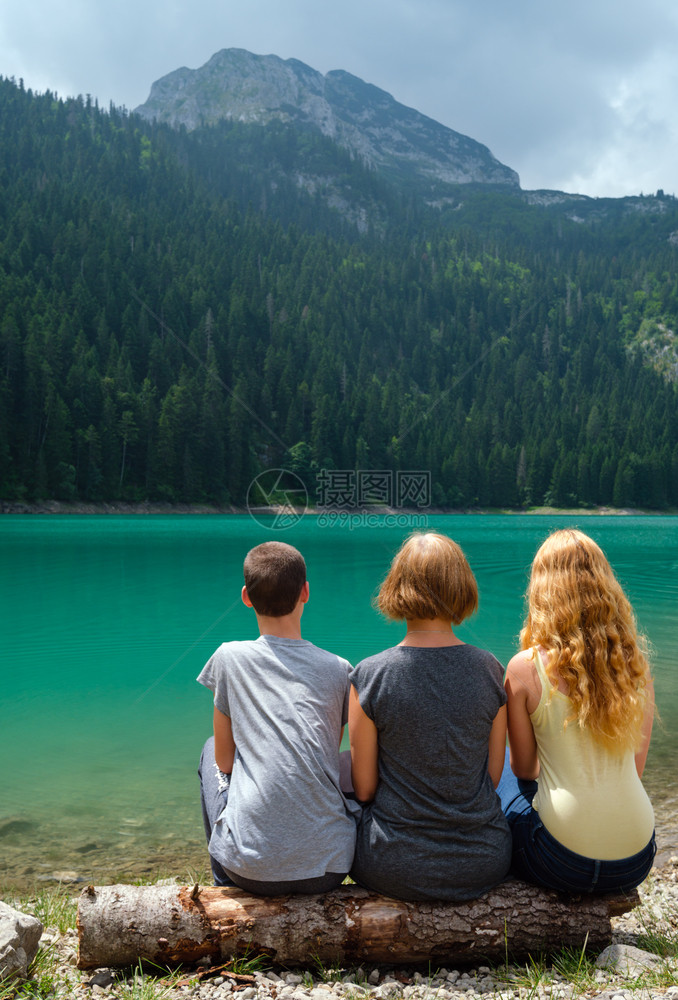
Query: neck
(430,632)
(286,627)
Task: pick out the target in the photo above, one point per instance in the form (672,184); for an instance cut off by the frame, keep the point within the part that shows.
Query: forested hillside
(180,311)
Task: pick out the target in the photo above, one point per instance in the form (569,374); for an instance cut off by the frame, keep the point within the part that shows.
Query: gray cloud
(576,96)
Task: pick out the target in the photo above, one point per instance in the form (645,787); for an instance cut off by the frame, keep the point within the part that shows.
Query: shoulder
(319,671)
(372,668)
(231,652)
(480,654)
(237,648)
(216,669)
(522,665)
(376,662)
(483,659)
(522,678)
(325,658)
(522,661)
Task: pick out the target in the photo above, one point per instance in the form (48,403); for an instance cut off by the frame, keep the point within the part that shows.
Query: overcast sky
(578,96)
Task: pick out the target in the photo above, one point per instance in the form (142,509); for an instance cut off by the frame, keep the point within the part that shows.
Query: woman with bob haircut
(580,712)
(427,724)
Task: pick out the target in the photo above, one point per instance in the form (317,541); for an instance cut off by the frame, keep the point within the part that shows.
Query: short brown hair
(274,575)
(429,578)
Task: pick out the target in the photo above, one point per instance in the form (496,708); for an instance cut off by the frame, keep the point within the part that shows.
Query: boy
(275,816)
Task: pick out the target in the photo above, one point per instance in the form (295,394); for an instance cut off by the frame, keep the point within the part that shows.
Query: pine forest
(181,311)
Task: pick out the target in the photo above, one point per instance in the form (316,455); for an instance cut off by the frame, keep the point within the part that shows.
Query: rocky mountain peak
(390,137)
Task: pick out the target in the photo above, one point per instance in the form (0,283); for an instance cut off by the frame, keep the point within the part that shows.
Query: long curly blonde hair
(578,613)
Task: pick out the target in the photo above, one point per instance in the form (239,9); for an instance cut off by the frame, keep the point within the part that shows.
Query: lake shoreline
(116,507)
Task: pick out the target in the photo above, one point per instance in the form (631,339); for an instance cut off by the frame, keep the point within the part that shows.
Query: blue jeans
(214,789)
(539,858)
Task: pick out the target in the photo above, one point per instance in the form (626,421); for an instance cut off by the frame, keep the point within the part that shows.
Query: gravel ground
(652,928)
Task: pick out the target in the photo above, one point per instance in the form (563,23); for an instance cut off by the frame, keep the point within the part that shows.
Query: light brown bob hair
(274,575)
(579,614)
(429,578)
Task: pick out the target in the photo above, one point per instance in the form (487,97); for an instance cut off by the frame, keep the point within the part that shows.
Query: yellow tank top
(590,800)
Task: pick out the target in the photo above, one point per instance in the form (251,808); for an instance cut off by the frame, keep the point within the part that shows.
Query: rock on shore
(19,937)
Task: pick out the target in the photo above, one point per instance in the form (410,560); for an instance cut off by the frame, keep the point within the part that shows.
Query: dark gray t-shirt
(286,816)
(435,829)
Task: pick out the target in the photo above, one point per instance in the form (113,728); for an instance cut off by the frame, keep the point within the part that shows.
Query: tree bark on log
(121,924)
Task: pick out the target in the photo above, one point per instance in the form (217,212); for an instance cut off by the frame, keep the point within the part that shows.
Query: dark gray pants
(214,788)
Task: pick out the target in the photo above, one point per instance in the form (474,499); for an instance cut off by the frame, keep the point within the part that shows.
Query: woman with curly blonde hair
(580,712)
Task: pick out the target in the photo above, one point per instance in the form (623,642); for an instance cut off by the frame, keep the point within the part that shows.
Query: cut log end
(121,924)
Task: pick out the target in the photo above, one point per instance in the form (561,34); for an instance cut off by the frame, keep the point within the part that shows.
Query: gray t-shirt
(286,816)
(435,829)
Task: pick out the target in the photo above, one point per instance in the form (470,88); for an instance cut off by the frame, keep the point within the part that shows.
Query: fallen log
(122,924)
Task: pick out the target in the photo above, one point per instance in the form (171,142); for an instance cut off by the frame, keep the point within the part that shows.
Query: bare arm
(497,752)
(224,744)
(362,734)
(648,720)
(522,743)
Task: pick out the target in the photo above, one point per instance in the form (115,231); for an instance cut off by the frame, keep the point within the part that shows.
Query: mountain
(178,315)
(396,140)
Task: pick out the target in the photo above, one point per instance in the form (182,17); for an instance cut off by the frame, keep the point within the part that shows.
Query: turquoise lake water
(107,620)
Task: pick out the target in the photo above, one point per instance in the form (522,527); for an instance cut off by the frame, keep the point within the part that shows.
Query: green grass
(574,964)
(45,981)
(144,985)
(249,963)
(326,973)
(201,876)
(56,909)
(577,968)
(657,938)
(53,907)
